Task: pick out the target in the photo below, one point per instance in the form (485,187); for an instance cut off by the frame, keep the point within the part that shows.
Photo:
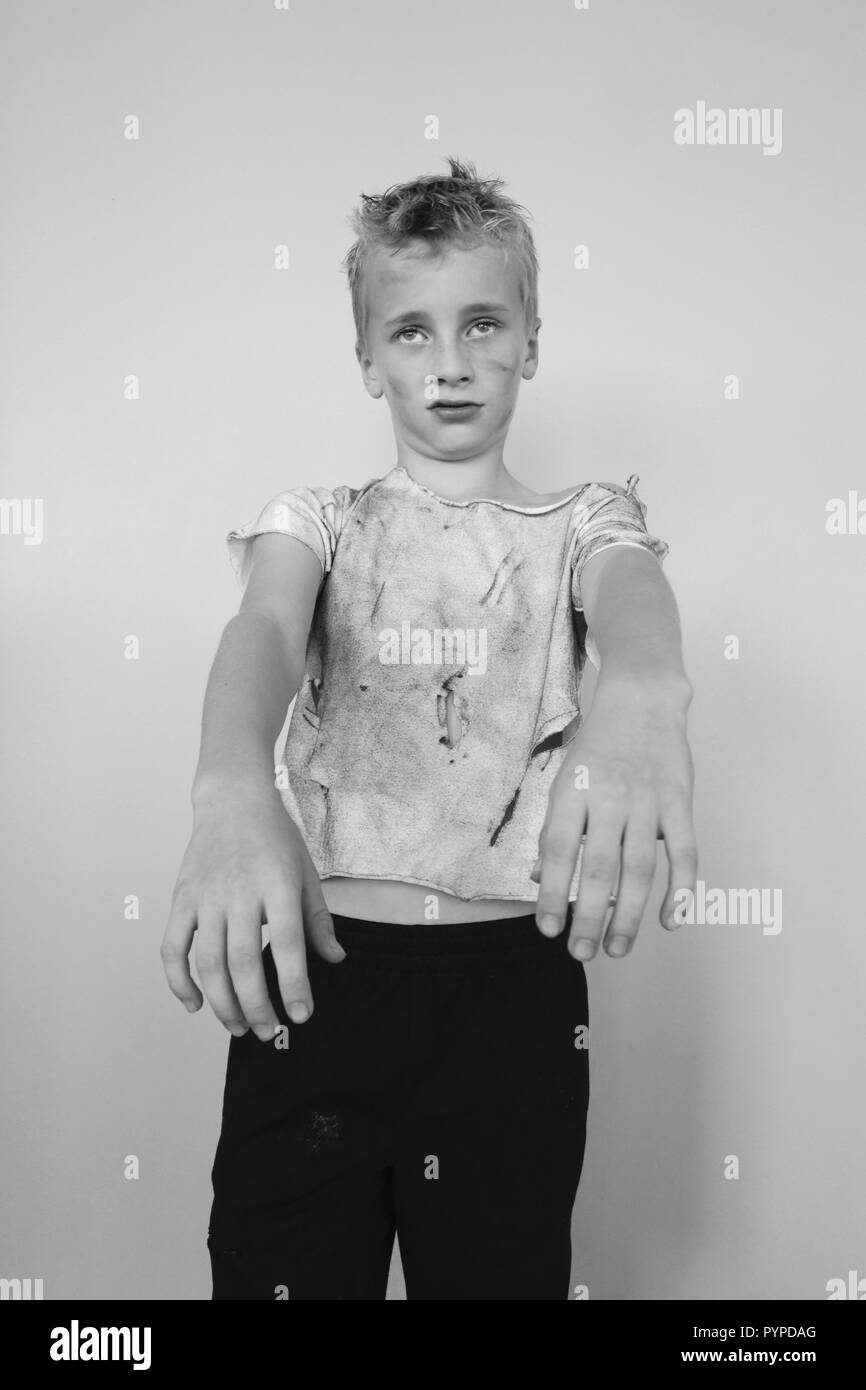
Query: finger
(247,971)
(318,922)
(535,873)
(682,851)
(637,871)
(598,875)
(210,962)
(174,952)
(286,932)
(558,859)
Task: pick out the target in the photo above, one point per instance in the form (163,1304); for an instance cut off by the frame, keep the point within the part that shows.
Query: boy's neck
(461,480)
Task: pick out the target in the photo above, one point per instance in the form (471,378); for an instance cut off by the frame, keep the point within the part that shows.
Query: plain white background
(155,257)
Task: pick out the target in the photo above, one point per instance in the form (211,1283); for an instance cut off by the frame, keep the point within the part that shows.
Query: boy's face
(449,327)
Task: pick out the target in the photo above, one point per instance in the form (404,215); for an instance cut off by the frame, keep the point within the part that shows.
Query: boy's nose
(453,386)
(451,365)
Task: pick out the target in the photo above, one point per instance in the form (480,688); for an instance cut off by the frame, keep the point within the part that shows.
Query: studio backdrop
(178,346)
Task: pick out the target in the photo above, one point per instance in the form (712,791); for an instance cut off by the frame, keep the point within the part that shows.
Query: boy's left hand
(635,780)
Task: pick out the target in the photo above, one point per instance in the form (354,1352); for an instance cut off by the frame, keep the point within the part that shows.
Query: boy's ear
(369,374)
(530,365)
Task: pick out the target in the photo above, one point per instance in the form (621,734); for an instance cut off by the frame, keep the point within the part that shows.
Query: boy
(434,626)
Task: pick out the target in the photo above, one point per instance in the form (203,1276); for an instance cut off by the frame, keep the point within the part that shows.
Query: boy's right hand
(245,864)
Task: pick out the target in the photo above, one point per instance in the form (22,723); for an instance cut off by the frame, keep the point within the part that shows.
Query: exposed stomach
(386,900)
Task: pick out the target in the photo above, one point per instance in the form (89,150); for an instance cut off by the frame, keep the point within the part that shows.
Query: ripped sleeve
(313,515)
(603,517)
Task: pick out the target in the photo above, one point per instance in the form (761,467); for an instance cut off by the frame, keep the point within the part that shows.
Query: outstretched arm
(246,862)
(628,777)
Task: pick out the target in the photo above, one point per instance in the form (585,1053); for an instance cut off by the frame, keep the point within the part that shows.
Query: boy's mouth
(458,408)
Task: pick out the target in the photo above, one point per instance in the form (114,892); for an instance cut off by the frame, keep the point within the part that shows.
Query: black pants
(439,1090)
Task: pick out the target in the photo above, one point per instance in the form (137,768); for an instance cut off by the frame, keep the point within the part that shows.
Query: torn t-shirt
(442,671)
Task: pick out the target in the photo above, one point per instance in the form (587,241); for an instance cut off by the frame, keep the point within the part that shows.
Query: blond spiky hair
(459,208)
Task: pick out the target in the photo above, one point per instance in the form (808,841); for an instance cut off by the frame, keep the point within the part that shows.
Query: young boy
(434,625)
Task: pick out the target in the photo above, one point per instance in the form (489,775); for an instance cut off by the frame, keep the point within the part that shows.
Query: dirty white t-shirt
(442,669)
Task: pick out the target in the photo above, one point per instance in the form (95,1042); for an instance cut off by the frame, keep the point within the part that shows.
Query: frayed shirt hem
(433,887)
